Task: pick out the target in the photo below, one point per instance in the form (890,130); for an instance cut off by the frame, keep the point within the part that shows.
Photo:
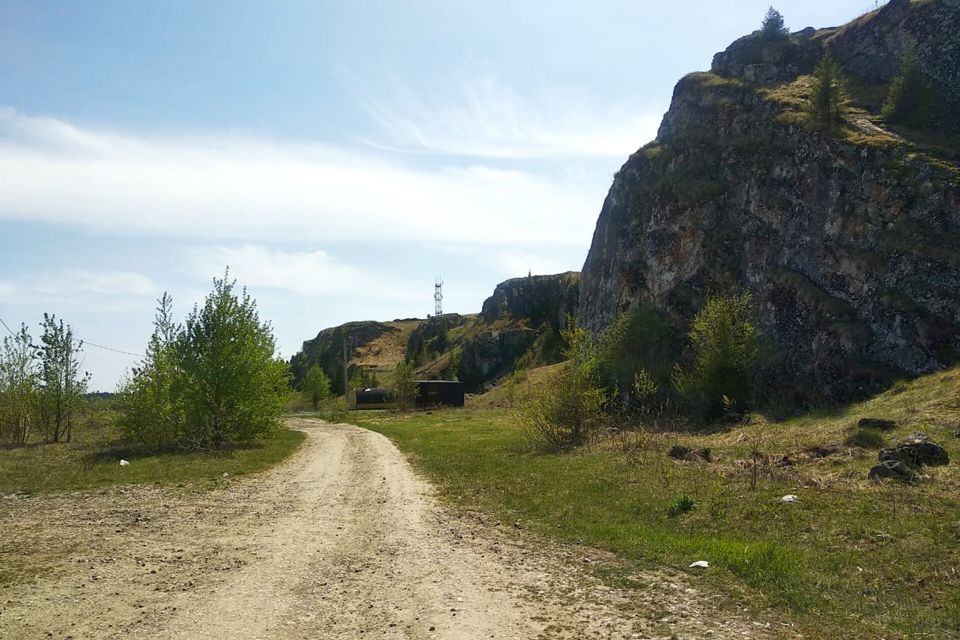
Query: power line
(7,328)
(85,343)
(100,346)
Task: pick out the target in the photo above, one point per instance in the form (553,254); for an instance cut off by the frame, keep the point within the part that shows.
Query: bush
(570,407)
(683,504)
(635,359)
(726,348)
(827,104)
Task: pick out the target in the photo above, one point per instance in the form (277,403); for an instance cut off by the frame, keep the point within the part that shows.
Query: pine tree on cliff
(910,100)
(773,26)
(828,100)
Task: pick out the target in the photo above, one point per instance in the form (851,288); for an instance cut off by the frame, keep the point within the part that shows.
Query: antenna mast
(438,297)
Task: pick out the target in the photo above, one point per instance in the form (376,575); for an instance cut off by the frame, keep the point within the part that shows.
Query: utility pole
(346,374)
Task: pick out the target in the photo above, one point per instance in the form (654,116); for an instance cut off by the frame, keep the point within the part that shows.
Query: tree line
(41,384)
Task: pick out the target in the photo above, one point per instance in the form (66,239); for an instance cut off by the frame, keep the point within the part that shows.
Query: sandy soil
(341,541)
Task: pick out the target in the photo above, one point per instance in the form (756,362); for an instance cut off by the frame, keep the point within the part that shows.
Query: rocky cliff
(849,242)
(536,299)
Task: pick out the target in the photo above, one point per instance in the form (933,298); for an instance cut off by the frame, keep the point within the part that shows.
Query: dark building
(378,398)
(440,393)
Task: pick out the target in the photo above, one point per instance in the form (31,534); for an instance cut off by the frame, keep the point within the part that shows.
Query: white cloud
(82,289)
(301,272)
(107,283)
(486,119)
(234,188)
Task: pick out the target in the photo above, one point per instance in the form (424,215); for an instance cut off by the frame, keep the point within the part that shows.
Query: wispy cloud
(244,189)
(486,119)
(311,273)
(82,289)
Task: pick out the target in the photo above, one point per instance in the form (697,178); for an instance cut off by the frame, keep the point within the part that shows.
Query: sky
(338,157)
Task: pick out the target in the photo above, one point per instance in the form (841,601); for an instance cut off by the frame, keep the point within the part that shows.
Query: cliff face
(849,243)
(537,299)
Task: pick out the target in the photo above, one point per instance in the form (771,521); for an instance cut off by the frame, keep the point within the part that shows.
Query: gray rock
(491,354)
(536,299)
(760,60)
(892,470)
(915,451)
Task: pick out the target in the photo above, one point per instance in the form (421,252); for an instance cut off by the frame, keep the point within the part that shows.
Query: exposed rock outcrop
(536,299)
(491,354)
(762,60)
(851,250)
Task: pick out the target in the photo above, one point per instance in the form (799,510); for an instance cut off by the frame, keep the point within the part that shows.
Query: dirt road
(342,541)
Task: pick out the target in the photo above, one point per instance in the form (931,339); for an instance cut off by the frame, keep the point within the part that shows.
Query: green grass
(875,561)
(93,460)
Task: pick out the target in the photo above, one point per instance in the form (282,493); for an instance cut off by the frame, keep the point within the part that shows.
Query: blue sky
(336,155)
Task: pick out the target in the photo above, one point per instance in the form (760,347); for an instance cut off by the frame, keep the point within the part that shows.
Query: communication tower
(438,297)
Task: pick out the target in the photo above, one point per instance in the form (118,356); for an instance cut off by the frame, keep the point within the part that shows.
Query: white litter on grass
(789,498)
(700,564)
(124,463)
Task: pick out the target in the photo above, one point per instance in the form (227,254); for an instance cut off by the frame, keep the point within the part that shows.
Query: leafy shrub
(683,504)
(726,346)
(570,407)
(635,357)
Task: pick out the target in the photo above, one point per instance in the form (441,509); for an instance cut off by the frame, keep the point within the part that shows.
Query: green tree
(151,401)
(773,26)
(827,105)
(405,386)
(62,385)
(316,385)
(19,380)
(910,101)
(234,389)
(727,350)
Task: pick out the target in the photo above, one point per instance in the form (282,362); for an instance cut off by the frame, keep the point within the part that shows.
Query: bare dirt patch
(341,541)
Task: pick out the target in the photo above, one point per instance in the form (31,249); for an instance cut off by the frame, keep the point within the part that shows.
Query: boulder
(915,451)
(892,470)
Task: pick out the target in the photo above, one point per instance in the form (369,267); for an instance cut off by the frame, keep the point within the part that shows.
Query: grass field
(93,460)
(874,561)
